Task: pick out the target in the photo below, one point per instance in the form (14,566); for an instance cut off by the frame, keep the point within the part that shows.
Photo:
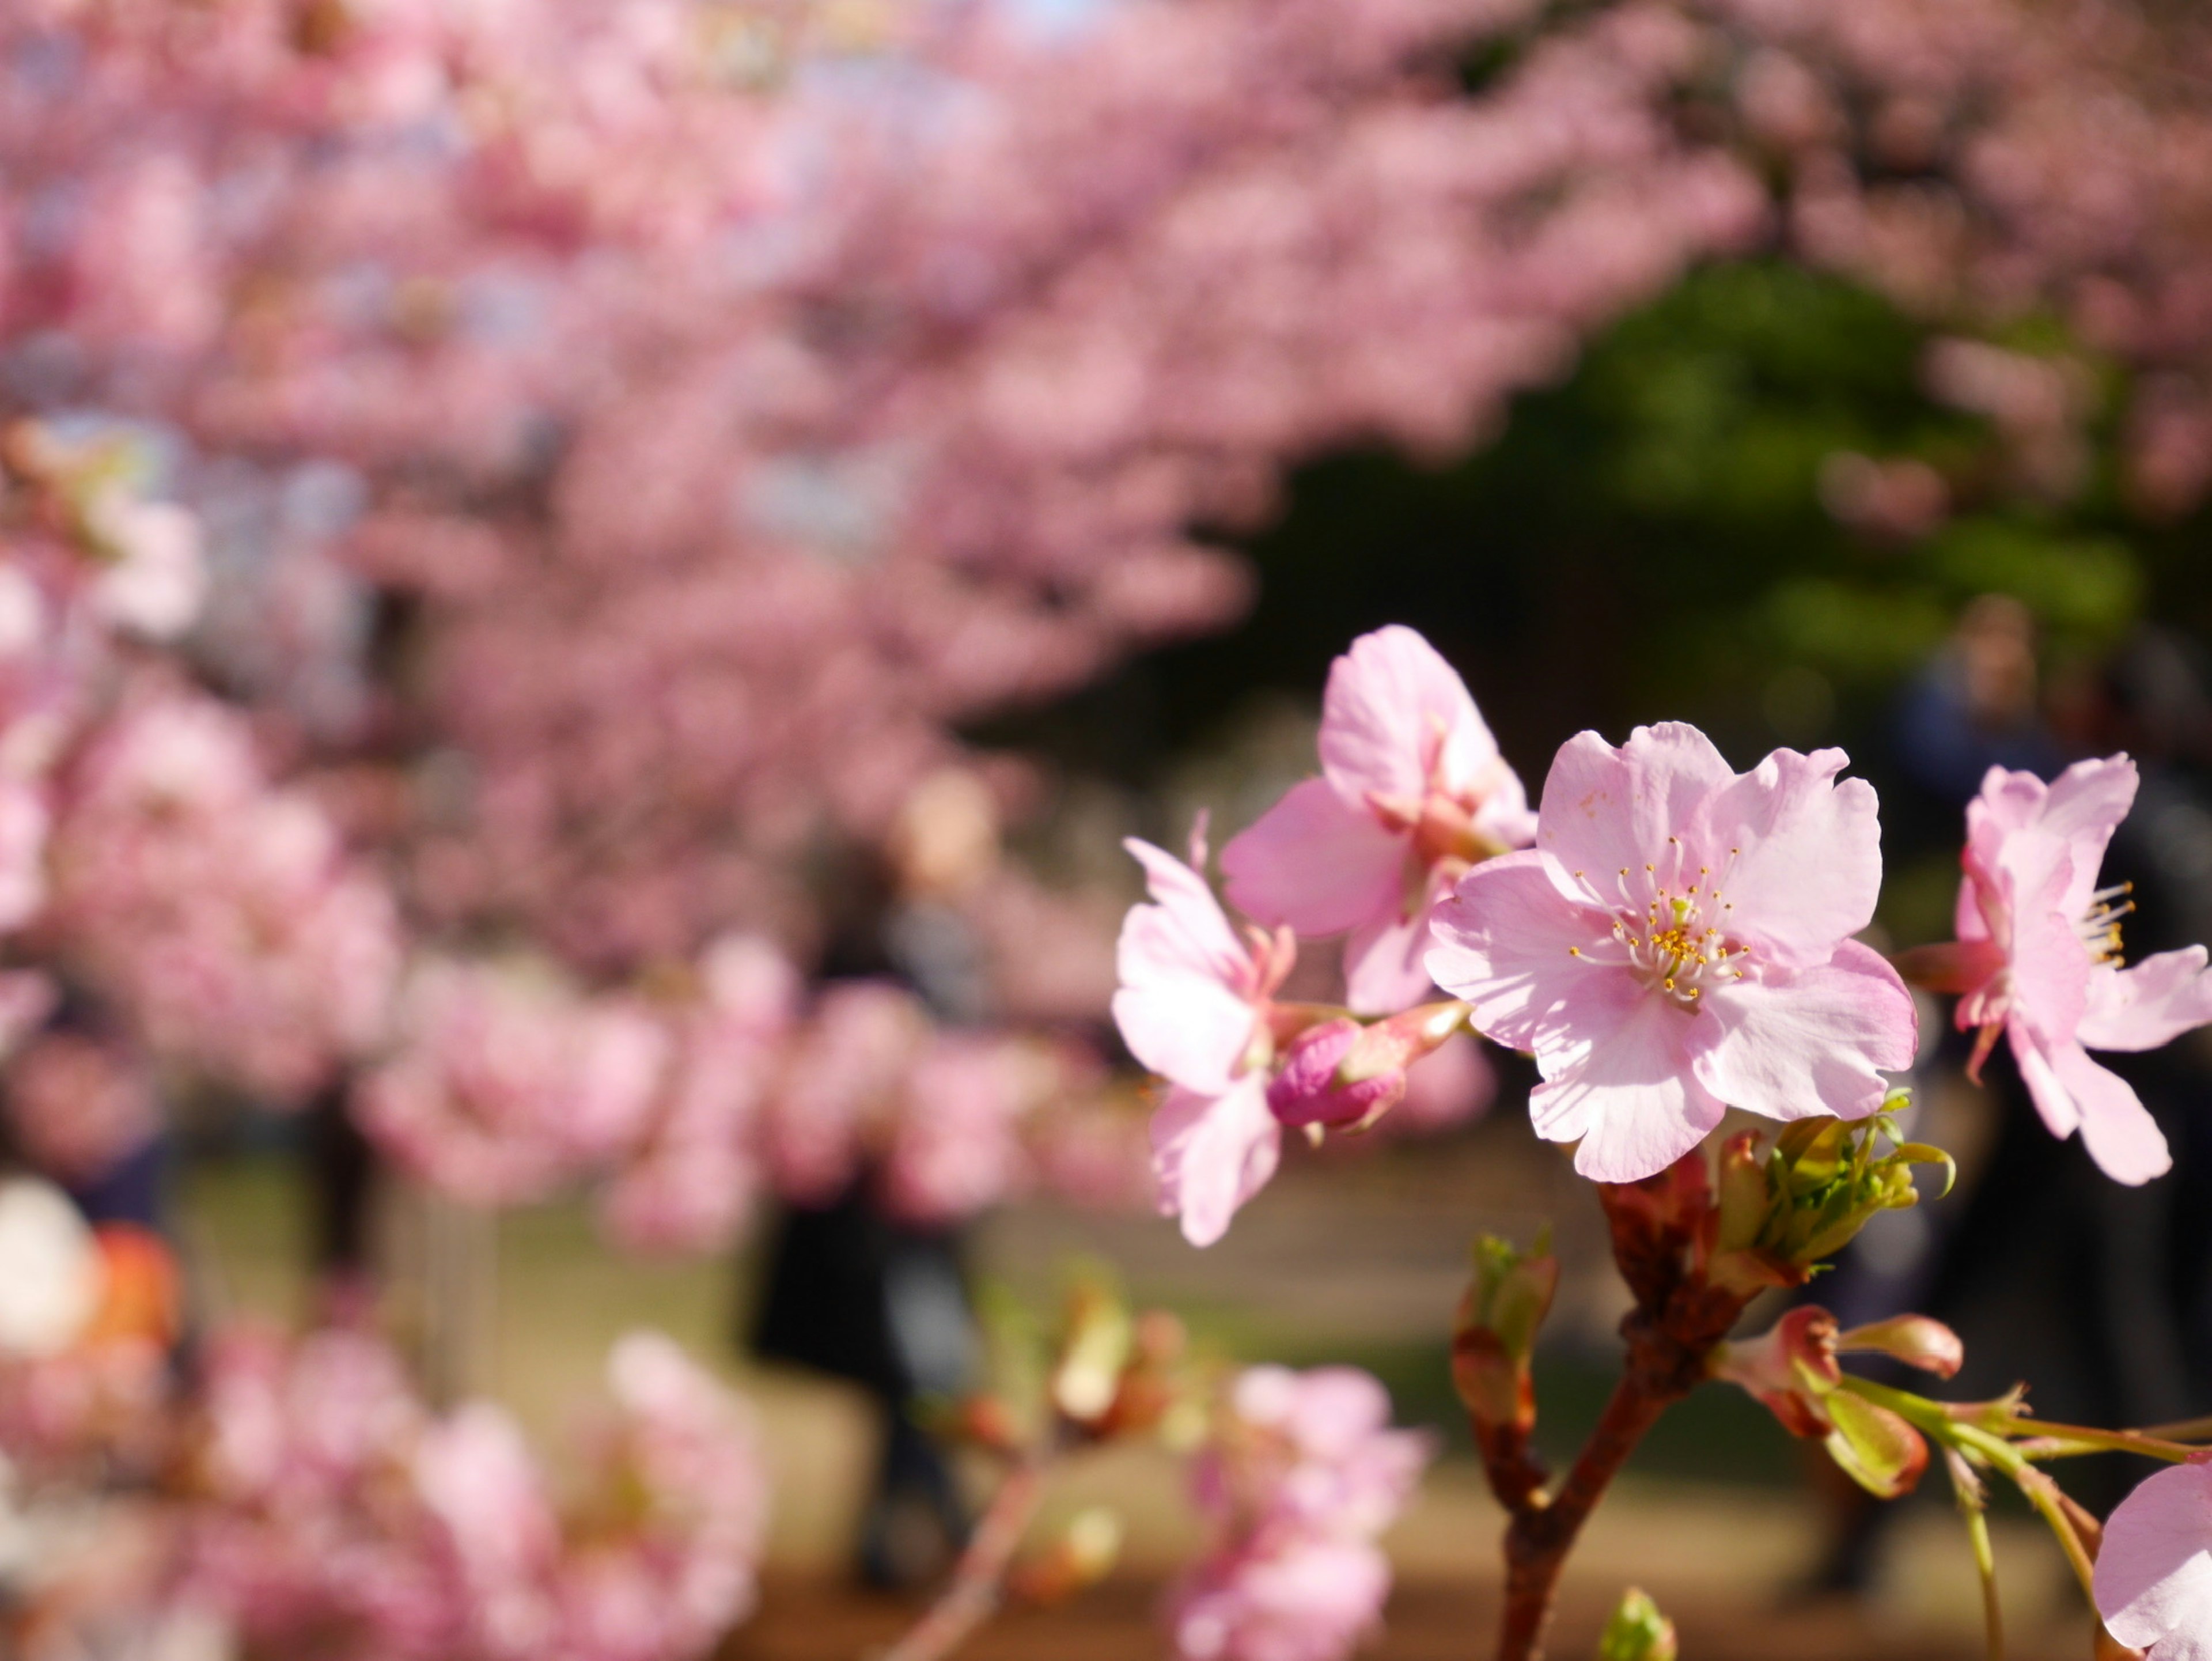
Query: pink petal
(1631,1100)
(1391,701)
(2084,806)
(1810,1041)
(1797,853)
(1212,1153)
(2151,1004)
(1182,1007)
(1317,863)
(1506,941)
(1385,964)
(2049,963)
(1969,918)
(2116,1128)
(1606,810)
(2052,1097)
(2154,1581)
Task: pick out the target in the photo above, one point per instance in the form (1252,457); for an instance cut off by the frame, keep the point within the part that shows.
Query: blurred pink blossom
(1301,1476)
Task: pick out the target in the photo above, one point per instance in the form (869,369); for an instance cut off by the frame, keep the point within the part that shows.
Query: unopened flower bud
(1916,1340)
(1874,1447)
(1082,1556)
(1100,1336)
(1494,1336)
(1637,1632)
(1347,1074)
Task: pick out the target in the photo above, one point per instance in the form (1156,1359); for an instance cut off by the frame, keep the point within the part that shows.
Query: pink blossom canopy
(1412,789)
(1679,942)
(2038,958)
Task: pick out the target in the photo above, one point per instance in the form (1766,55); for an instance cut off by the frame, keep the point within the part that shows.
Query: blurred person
(848,1290)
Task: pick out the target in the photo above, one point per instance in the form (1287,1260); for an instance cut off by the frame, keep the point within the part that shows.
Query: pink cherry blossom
(2038,957)
(1413,791)
(1301,1476)
(1679,942)
(1193,1007)
(2153,1582)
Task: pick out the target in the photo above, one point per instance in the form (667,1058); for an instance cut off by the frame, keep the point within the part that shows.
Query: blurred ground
(1358,1261)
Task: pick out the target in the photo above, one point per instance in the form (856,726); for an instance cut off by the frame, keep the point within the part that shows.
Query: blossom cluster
(1669,940)
(1301,1476)
(326,1498)
(507,1084)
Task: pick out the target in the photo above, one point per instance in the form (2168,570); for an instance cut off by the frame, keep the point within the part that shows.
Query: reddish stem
(979,1579)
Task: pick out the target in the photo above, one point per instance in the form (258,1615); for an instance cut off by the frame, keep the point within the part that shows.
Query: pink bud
(1310,1089)
(1341,1072)
(1915,1340)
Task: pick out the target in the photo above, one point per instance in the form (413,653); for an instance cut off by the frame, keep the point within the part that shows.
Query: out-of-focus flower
(1195,1007)
(1677,942)
(2153,1582)
(78,1105)
(691,1183)
(1303,1475)
(51,1275)
(221,916)
(507,1085)
(1413,792)
(2038,958)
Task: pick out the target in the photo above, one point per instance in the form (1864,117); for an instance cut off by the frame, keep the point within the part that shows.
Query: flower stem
(979,1579)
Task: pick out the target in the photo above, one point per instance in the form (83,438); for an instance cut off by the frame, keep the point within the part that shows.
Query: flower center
(2099,929)
(1675,951)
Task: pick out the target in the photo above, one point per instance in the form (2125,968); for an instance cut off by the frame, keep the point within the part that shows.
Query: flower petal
(2084,806)
(1182,1007)
(2153,1582)
(2061,1113)
(2151,1004)
(1392,706)
(1810,1041)
(1212,1153)
(2116,1128)
(1798,854)
(1607,810)
(1384,968)
(1506,941)
(1315,862)
(1631,1100)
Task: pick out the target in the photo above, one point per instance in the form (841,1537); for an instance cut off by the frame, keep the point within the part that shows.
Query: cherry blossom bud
(1874,1447)
(1347,1075)
(1915,1340)
(1082,1556)
(1495,1334)
(1637,1632)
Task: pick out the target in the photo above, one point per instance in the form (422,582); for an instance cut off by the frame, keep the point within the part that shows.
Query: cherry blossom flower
(1677,942)
(1195,1007)
(2038,958)
(1301,1477)
(1413,791)
(2154,1581)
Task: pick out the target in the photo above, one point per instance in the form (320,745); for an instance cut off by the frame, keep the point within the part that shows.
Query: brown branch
(1659,1229)
(978,1584)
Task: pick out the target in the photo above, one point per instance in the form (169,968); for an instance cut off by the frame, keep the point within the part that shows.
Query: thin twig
(978,1584)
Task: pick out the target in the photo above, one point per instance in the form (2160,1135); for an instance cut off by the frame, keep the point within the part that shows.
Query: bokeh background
(549,543)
